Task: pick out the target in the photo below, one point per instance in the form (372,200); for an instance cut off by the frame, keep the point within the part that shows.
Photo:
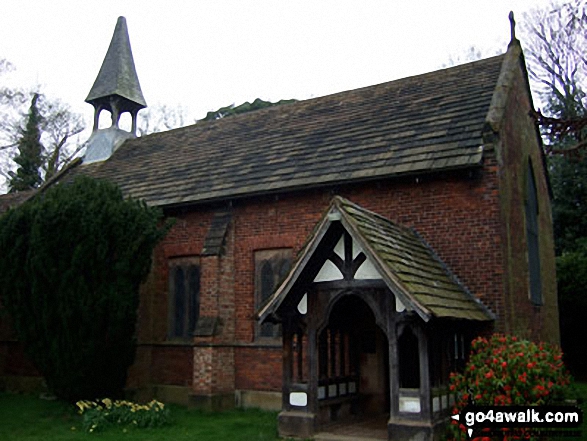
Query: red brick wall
(458,216)
(258,368)
(172,365)
(516,147)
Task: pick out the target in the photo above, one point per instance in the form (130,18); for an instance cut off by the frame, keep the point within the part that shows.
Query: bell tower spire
(117,87)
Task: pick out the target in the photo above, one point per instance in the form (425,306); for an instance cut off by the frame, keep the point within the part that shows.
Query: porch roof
(407,264)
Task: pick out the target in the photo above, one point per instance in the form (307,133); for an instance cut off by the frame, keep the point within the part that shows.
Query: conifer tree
(30,149)
(73,258)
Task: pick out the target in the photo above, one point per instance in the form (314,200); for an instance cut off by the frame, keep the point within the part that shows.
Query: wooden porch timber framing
(367,283)
(317,413)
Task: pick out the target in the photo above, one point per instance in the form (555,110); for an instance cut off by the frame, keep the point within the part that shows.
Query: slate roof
(409,267)
(419,124)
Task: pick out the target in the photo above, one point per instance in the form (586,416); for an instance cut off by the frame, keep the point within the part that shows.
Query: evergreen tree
(30,149)
(73,258)
(245,107)
(58,129)
(556,59)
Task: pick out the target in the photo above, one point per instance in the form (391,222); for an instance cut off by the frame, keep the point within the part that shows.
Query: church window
(184,297)
(271,267)
(532,238)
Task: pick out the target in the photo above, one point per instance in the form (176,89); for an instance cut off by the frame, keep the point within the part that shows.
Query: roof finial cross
(513,28)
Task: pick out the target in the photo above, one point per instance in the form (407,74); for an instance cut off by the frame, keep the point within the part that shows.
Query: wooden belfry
(117,87)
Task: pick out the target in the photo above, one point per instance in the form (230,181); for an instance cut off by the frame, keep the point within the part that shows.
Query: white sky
(203,55)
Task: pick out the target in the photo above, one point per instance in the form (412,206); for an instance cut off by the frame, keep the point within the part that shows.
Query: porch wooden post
(287,362)
(300,357)
(312,355)
(425,400)
(393,367)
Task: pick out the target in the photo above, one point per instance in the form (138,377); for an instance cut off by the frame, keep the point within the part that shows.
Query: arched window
(193,279)
(267,284)
(184,297)
(179,299)
(271,267)
(532,238)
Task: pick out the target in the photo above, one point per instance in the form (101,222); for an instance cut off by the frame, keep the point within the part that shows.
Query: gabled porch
(373,322)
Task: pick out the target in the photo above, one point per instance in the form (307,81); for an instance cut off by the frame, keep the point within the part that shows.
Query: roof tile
(419,124)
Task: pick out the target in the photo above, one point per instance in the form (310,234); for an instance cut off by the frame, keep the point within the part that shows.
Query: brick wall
(172,365)
(258,368)
(518,146)
(457,214)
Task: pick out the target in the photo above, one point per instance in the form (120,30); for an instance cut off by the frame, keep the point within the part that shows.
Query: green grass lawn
(25,417)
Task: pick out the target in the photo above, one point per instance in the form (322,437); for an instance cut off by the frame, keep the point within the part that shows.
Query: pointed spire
(117,87)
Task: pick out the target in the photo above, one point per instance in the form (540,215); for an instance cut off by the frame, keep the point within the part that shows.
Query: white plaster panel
(303,305)
(399,306)
(342,388)
(299,399)
(435,404)
(445,402)
(328,273)
(367,272)
(332,391)
(409,404)
(356,249)
(321,392)
(339,248)
(352,387)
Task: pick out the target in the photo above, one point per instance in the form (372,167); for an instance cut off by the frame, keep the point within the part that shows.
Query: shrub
(506,370)
(98,415)
(72,261)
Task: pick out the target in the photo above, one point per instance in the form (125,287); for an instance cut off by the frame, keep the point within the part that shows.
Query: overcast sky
(205,55)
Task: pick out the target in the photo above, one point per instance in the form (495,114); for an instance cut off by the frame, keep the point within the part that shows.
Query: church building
(333,258)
